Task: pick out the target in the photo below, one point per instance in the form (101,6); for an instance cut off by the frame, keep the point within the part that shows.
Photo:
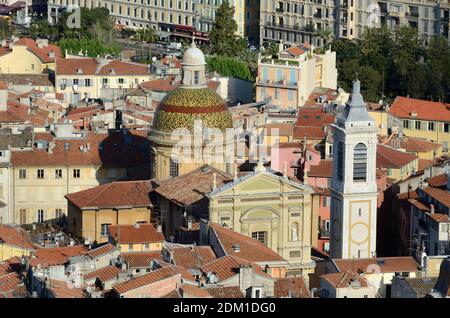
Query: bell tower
(353,186)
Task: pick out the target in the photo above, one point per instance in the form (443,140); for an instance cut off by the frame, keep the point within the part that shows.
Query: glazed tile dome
(181,107)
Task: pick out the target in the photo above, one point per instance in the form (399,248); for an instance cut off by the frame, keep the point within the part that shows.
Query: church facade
(270,208)
(353,186)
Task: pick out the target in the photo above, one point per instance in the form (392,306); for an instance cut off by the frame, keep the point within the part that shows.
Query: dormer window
(79,71)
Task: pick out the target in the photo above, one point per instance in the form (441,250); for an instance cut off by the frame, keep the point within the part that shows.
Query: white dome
(193,56)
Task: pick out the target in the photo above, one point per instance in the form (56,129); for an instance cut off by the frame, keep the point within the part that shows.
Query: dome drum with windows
(193,100)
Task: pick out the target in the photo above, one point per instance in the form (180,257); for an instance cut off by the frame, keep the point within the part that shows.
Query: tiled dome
(181,107)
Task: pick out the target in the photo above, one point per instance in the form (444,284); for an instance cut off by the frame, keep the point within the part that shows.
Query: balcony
(279,10)
(294,27)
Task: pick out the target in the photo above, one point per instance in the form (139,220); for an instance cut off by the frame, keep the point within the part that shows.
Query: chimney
(159,228)
(432,208)
(236,248)
(189,224)
(137,225)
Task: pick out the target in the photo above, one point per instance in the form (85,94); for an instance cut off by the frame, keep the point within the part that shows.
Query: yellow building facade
(271,209)
(26,56)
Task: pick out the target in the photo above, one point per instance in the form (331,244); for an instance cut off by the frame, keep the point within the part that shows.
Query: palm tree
(146,35)
(326,34)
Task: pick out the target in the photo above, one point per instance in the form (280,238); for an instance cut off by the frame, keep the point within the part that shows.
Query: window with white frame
(40,216)
(104,229)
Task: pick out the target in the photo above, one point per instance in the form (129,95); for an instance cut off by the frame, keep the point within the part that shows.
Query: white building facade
(353,186)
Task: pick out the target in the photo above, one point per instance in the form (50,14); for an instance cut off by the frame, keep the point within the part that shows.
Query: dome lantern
(194,68)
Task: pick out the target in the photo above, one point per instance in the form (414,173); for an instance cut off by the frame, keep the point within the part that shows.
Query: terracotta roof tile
(59,289)
(189,291)
(102,250)
(105,274)
(438,181)
(249,249)
(192,257)
(440,195)
(228,266)
(440,217)
(408,195)
(114,194)
(43,53)
(344,279)
(9,282)
(419,205)
(56,255)
(315,133)
(139,233)
(16,237)
(173,294)
(426,110)
(192,187)
(295,285)
(146,279)
(89,66)
(323,170)
(225,292)
(391,264)
(141,259)
(388,157)
(106,150)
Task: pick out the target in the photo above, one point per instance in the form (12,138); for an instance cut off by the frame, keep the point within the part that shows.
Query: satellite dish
(154,59)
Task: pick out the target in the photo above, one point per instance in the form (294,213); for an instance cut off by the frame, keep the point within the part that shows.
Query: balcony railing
(295,27)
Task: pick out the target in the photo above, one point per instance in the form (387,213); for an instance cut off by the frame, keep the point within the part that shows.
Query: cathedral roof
(181,107)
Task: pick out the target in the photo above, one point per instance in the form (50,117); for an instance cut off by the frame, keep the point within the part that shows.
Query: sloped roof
(15,236)
(90,66)
(192,257)
(426,110)
(344,279)
(43,53)
(323,170)
(249,249)
(228,266)
(390,264)
(438,181)
(388,157)
(144,280)
(114,194)
(294,286)
(225,292)
(56,255)
(102,250)
(136,234)
(193,186)
(141,259)
(104,274)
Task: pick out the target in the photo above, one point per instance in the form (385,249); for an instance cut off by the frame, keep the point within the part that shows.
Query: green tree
(223,39)
(437,65)
(326,34)
(229,66)
(5,29)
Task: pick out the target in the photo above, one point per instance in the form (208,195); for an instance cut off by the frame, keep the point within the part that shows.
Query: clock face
(359,232)
(336,230)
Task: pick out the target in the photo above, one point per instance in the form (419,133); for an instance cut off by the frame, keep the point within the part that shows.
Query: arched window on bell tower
(360,163)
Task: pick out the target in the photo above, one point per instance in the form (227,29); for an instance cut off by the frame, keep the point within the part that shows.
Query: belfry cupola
(194,68)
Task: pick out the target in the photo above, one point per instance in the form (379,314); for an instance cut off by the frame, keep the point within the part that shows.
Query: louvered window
(360,162)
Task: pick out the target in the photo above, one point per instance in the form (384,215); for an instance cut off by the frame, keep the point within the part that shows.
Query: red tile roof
(228,266)
(9,282)
(113,195)
(136,234)
(408,195)
(317,118)
(89,66)
(56,255)
(15,236)
(344,279)
(438,181)
(105,274)
(440,195)
(192,187)
(295,51)
(295,285)
(107,150)
(141,259)
(189,291)
(146,279)
(315,133)
(426,110)
(192,257)
(388,157)
(323,170)
(391,264)
(59,289)
(419,205)
(440,217)
(43,53)
(225,292)
(249,249)
(102,250)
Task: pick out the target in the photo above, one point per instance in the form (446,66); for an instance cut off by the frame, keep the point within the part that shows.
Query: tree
(144,35)
(437,65)
(326,34)
(228,66)
(5,29)
(223,39)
